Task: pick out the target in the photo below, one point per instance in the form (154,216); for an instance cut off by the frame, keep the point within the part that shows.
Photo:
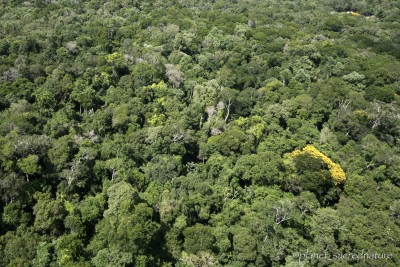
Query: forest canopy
(199,133)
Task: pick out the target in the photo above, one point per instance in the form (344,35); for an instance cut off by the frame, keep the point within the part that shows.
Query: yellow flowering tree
(337,173)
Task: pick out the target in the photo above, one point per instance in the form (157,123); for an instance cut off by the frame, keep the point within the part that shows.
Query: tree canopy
(199,133)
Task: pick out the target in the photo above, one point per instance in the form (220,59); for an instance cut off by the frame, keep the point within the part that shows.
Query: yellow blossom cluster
(336,171)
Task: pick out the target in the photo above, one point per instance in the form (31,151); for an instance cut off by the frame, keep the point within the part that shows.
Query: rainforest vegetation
(199,133)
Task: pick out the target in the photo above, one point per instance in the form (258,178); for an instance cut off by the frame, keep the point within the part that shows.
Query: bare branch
(228,107)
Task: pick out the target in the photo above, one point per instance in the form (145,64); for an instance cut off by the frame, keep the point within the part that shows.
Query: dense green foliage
(161,133)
